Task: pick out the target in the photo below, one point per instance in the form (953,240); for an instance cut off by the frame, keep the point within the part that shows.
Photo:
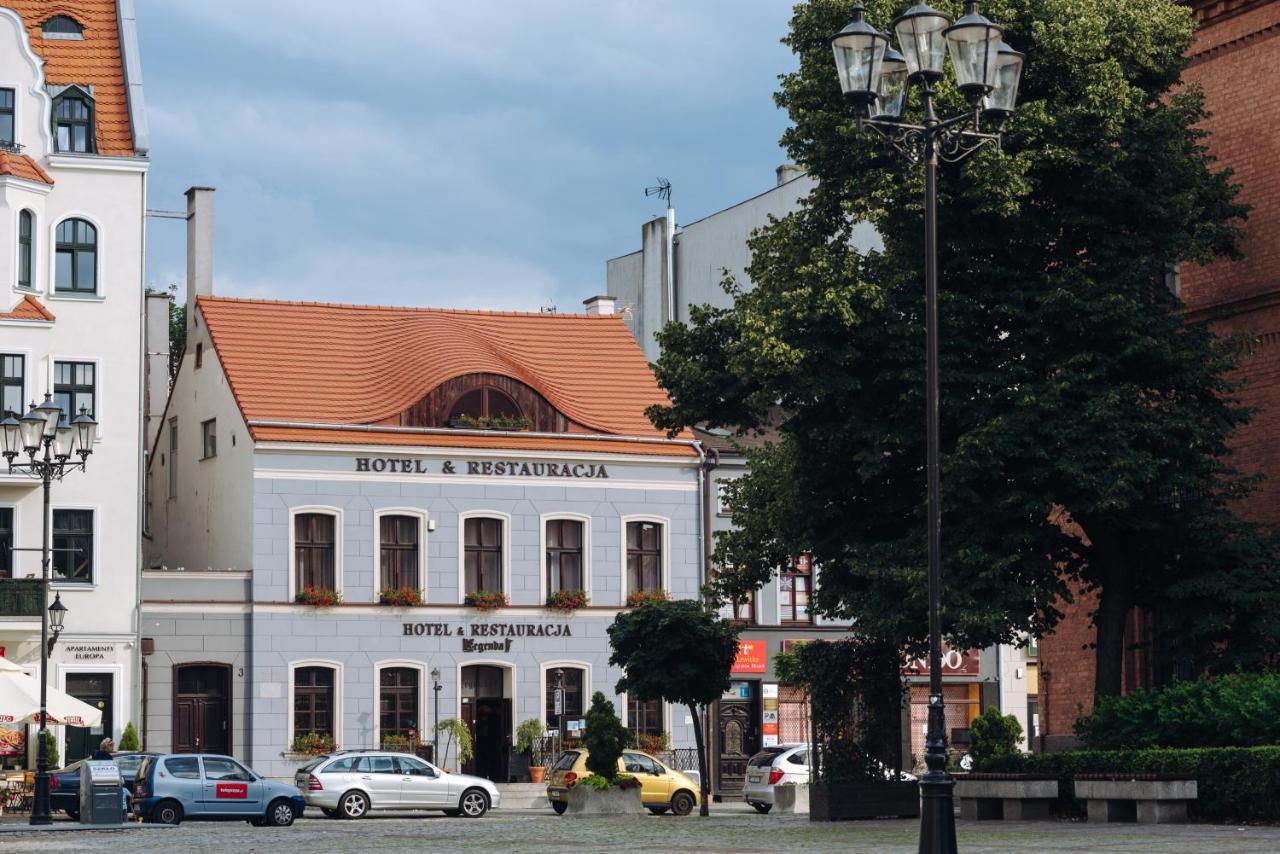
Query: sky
(480,154)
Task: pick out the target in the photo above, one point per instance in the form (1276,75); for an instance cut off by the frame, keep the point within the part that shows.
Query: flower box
(646,597)
(485,601)
(567,601)
(402,597)
(318,597)
(313,744)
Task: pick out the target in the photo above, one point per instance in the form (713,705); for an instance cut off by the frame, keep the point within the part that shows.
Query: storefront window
(644,557)
(574,679)
(314,550)
(399,548)
(398,706)
(483,545)
(313,701)
(564,555)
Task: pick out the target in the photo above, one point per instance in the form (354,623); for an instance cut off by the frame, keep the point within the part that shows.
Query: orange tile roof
(22,166)
(94,61)
(350,364)
(29,309)
(567,444)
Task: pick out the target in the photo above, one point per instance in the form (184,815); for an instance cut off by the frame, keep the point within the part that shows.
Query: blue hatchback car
(64,785)
(177,786)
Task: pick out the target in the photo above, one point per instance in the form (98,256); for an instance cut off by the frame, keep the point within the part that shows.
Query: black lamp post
(49,445)
(877,80)
(435,731)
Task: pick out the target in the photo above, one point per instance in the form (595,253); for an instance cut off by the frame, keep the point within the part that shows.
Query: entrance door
(202,708)
(94,689)
(738,730)
(487,714)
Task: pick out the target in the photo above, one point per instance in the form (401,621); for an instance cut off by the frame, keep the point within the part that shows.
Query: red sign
(232,791)
(752,657)
(803,562)
(954,663)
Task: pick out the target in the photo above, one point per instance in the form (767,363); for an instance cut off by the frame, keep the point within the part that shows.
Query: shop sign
(13,740)
(488,637)
(954,663)
(486,468)
(90,651)
(752,657)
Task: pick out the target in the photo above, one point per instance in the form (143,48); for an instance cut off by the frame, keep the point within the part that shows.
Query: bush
(605,738)
(993,736)
(129,738)
(1240,710)
(51,749)
(1235,783)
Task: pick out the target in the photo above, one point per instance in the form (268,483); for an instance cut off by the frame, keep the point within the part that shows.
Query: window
(397,702)
(644,717)
(313,701)
(722,499)
(314,550)
(795,586)
(6,118)
(744,607)
(183,767)
(644,557)
(12,374)
(73,123)
(76,270)
(74,385)
(209,438)
(26,230)
(377,765)
(199,355)
(6,542)
(173,458)
(564,555)
(73,545)
(399,551)
(485,403)
(482,543)
(62,27)
(346,764)
(574,683)
(638,763)
(414,767)
(225,769)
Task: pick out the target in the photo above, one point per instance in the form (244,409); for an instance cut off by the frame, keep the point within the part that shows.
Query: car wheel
(354,805)
(559,807)
(659,810)
(474,803)
(167,812)
(453,813)
(280,813)
(682,803)
(329,813)
(762,808)
(74,815)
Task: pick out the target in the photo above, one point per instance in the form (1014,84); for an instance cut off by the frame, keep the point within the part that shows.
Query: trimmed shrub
(129,738)
(1235,783)
(992,736)
(605,738)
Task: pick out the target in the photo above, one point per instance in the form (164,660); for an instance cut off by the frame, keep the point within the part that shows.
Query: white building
(73,170)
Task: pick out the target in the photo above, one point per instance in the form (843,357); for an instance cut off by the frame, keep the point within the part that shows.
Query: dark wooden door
(202,708)
(738,737)
(94,689)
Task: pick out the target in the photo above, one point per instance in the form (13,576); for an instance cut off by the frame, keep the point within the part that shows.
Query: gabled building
(73,169)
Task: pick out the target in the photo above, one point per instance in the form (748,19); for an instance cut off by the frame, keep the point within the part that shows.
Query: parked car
(64,784)
(172,787)
(661,788)
(773,766)
(350,784)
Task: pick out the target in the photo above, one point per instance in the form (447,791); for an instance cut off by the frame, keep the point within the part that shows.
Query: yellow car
(661,788)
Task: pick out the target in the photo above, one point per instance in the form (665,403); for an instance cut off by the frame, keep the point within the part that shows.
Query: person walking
(104,751)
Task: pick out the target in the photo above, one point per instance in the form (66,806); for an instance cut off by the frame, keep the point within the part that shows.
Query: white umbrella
(20,701)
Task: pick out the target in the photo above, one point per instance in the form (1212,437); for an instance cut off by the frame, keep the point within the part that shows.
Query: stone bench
(1144,798)
(1012,797)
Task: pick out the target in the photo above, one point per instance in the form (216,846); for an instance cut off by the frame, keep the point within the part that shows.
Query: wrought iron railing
(20,597)
(681,758)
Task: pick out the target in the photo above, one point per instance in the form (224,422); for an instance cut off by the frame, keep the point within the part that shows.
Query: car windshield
(312,765)
(565,762)
(764,758)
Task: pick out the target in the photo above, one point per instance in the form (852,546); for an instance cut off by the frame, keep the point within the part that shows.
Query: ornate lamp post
(435,731)
(876,81)
(49,445)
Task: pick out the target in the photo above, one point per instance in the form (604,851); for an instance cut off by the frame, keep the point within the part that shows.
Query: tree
(129,738)
(993,736)
(605,738)
(1085,425)
(678,651)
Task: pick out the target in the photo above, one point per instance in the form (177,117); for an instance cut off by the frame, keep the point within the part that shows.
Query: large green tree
(1085,424)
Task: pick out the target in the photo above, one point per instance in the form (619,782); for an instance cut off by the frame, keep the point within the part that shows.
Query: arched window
(77,250)
(573,707)
(485,403)
(62,27)
(26,237)
(73,122)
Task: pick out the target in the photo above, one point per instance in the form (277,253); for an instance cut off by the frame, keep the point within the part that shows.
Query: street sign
(559,702)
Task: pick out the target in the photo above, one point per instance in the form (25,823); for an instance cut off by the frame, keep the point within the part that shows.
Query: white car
(786,763)
(352,783)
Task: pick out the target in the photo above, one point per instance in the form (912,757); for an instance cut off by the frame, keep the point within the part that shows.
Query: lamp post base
(40,812)
(937,814)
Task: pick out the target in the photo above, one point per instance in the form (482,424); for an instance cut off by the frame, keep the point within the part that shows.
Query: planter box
(843,801)
(610,801)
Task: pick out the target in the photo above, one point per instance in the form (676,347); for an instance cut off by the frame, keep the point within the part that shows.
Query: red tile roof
(362,365)
(29,309)
(93,61)
(22,166)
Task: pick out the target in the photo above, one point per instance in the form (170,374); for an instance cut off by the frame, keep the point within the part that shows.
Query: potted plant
(455,731)
(646,597)
(406,742)
(567,601)
(313,743)
(604,791)
(319,597)
(527,734)
(486,600)
(400,597)
(517,423)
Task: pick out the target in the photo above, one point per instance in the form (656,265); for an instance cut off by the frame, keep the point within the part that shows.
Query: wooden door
(737,735)
(202,708)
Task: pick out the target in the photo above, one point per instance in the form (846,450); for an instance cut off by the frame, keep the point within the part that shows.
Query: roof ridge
(411,309)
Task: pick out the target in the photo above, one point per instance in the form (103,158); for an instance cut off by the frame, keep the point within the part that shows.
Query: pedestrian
(104,751)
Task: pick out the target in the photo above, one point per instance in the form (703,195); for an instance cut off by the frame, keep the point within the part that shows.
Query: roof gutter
(452,431)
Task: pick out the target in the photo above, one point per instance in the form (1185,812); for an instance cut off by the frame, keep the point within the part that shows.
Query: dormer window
(73,121)
(487,409)
(63,27)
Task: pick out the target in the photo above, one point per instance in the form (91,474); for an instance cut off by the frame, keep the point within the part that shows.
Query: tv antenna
(662,191)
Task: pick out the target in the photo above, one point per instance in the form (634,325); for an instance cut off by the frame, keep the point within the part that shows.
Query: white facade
(103,329)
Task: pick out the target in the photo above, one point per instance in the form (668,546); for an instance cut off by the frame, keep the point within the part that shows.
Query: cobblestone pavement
(726,830)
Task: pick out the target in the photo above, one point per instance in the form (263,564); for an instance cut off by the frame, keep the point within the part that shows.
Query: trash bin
(101,793)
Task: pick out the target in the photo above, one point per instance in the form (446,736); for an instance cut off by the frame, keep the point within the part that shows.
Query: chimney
(789,172)
(599,305)
(199,247)
(157,363)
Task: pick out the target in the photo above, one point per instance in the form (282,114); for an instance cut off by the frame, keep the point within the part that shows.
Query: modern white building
(73,172)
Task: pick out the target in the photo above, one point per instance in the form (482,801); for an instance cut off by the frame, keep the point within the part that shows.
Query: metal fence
(681,758)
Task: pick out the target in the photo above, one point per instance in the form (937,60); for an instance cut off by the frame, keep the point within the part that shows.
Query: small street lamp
(876,80)
(435,731)
(50,444)
(558,706)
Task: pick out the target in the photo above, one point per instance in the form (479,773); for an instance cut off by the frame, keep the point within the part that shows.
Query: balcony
(21,597)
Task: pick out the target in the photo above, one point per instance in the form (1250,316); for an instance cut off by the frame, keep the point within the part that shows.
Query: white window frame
(545,669)
(99,387)
(204,445)
(423,710)
(28,390)
(722,508)
(17,236)
(97,546)
(421,516)
(171,476)
(625,699)
(666,550)
(543,587)
(505,518)
(338,681)
(336,512)
(51,261)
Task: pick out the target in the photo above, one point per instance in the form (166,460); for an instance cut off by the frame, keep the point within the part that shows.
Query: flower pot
(842,801)
(537,774)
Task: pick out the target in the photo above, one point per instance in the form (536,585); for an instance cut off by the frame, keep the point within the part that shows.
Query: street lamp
(435,743)
(987,72)
(49,445)
(558,707)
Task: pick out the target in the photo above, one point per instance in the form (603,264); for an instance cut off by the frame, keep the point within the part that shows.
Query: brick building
(1237,44)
